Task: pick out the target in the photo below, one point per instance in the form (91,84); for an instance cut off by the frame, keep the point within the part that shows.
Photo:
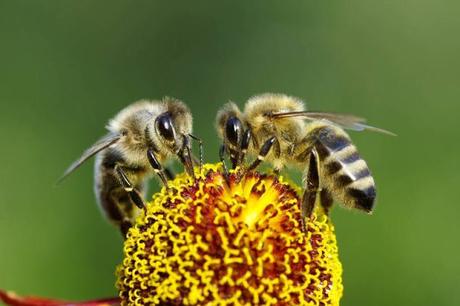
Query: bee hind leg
(125,225)
(115,210)
(326,200)
(311,182)
(313,193)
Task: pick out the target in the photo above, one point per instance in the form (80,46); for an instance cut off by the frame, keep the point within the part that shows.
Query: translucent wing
(346,121)
(100,145)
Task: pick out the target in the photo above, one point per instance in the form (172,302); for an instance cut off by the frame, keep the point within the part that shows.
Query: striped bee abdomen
(344,173)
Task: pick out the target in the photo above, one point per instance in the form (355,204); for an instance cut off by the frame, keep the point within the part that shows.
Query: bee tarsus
(185,155)
(125,225)
(244,145)
(200,148)
(222,151)
(157,168)
(169,173)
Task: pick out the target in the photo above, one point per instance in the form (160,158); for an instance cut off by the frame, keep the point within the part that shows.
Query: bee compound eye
(165,128)
(233,130)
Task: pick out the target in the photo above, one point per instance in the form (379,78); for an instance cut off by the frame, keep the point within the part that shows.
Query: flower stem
(10,298)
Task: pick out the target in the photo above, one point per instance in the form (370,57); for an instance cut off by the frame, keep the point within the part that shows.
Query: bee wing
(100,145)
(346,121)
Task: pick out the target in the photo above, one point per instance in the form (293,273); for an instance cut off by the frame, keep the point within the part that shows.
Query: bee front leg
(263,153)
(185,156)
(156,165)
(134,195)
(222,151)
(200,143)
(244,145)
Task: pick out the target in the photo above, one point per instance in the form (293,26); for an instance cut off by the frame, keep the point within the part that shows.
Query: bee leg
(115,213)
(326,200)
(185,156)
(244,145)
(156,165)
(310,194)
(169,173)
(233,134)
(222,151)
(277,166)
(125,225)
(134,195)
(313,192)
(262,153)
(200,143)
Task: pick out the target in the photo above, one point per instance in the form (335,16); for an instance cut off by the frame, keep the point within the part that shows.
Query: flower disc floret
(238,240)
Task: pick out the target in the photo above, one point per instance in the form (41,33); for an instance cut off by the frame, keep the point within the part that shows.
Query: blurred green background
(66,67)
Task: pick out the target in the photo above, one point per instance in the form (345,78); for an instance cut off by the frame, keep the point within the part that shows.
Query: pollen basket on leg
(208,243)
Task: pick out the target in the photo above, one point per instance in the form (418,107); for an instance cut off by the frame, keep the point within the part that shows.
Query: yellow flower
(239,241)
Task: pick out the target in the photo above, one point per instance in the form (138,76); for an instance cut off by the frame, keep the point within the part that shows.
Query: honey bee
(141,138)
(277,128)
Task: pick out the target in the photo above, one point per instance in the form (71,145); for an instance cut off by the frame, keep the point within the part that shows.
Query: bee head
(164,128)
(229,124)
(233,130)
(171,125)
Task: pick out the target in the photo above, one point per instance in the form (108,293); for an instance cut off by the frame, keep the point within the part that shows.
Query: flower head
(220,240)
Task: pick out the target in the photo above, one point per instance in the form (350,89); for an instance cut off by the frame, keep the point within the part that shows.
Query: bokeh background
(66,67)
